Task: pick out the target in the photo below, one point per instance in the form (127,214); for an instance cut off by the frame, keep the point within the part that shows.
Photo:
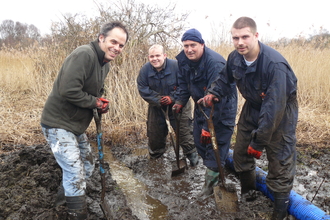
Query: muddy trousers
(157,130)
(74,155)
(223,135)
(281,151)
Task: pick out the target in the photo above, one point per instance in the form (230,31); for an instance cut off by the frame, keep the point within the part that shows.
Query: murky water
(142,205)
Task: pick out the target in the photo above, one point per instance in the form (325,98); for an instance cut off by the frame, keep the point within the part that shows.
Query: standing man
(157,84)
(269,116)
(199,67)
(68,112)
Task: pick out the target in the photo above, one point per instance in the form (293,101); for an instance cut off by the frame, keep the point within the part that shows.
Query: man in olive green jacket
(68,112)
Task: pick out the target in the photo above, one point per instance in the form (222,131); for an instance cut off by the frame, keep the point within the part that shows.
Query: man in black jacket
(269,116)
(68,112)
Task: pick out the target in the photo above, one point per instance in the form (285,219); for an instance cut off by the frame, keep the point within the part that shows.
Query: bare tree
(7,32)
(18,34)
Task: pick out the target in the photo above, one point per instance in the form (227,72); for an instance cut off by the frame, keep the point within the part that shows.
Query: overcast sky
(275,19)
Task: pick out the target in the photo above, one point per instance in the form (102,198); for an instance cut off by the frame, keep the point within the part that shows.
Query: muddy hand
(207,101)
(102,105)
(205,137)
(254,153)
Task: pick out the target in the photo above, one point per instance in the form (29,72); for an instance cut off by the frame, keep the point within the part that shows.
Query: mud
(30,178)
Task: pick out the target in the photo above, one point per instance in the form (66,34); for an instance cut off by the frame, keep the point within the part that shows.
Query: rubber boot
(211,180)
(60,198)
(248,185)
(281,203)
(77,207)
(193,159)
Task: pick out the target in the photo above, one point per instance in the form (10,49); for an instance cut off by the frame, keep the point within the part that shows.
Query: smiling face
(246,43)
(193,50)
(112,44)
(157,57)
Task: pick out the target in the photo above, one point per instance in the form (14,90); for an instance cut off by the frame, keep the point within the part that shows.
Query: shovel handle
(97,119)
(174,135)
(214,142)
(177,117)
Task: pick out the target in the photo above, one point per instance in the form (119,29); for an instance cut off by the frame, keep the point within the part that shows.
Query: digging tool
(104,206)
(181,163)
(225,195)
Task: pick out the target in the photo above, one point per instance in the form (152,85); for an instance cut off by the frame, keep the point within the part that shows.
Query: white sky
(275,19)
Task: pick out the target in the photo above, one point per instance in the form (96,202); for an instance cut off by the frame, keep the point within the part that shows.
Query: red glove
(207,100)
(254,153)
(177,108)
(205,137)
(165,100)
(102,105)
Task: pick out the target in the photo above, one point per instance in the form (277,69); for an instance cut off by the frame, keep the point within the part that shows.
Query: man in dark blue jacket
(199,67)
(157,85)
(269,116)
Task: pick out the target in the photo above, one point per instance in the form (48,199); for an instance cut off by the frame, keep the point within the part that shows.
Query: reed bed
(26,78)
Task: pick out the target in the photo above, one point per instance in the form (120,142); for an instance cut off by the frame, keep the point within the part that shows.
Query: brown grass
(26,78)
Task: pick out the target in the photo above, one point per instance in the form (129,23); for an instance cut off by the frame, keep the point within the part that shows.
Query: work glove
(207,101)
(165,100)
(205,137)
(254,153)
(177,108)
(102,105)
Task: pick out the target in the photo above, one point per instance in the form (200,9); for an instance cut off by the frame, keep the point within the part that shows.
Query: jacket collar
(185,62)
(100,53)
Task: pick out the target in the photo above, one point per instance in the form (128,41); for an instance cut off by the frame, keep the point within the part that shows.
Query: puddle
(142,205)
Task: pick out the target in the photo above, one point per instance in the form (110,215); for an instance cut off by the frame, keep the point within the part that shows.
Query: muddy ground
(30,178)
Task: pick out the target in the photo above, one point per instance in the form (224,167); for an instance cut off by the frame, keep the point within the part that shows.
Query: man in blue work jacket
(199,66)
(157,84)
(269,116)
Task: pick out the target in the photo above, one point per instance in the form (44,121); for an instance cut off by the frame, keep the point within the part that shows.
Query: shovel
(225,195)
(181,164)
(104,206)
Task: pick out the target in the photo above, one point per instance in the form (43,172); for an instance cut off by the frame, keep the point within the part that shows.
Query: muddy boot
(248,185)
(193,159)
(60,198)
(281,203)
(211,180)
(77,207)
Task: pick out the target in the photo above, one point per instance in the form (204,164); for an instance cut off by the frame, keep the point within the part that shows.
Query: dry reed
(24,87)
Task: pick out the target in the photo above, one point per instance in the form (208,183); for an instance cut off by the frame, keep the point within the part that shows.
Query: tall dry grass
(26,78)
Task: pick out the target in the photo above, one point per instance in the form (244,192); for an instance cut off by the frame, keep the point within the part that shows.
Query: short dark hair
(111,25)
(243,22)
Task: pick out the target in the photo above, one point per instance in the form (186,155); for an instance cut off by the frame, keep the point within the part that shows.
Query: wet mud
(30,178)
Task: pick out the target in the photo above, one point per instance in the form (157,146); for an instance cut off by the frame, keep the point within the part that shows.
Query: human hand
(165,100)
(177,108)
(207,101)
(102,105)
(205,137)
(254,153)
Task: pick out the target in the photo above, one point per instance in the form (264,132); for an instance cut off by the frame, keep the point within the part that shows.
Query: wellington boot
(211,180)
(248,185)
(77,207)
(281,203)
(60,198)
(193,159)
